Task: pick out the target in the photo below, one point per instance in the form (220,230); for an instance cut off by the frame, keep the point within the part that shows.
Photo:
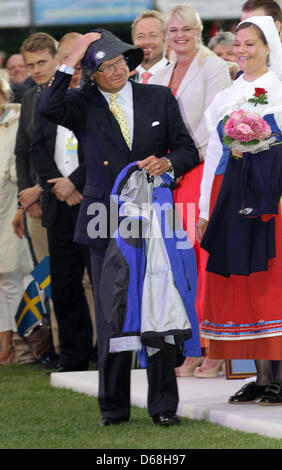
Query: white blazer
(14,252)
(199,86)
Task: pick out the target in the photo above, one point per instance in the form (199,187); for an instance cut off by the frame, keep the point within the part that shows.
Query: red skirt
(253,302)
(187,195)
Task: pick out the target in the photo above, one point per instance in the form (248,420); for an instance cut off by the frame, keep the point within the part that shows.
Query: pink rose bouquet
(245,131)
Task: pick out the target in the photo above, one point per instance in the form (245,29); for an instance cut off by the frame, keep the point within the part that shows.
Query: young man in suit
(108,147)
(39,51)
(60,167)
(42,210)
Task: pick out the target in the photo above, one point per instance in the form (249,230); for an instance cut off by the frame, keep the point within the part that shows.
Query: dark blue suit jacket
(87,113)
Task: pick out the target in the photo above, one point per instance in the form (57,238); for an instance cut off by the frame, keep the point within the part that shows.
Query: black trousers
(114,368)
(67,264)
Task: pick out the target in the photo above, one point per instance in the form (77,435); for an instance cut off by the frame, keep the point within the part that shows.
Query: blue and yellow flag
(41,274)
(30,309)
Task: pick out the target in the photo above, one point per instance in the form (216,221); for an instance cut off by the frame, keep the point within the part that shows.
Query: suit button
(105,163)
(51,81)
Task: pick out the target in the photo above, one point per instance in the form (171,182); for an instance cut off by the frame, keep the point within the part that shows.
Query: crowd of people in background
(43,174)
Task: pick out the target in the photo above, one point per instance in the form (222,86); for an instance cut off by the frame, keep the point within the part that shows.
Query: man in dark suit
(61,169)
(151,125)
(39,52)
(47,210)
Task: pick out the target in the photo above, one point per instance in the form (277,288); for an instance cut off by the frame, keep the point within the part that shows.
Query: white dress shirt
(66,157)
(153,70)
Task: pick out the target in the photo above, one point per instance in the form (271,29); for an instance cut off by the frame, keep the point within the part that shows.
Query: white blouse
(226,101)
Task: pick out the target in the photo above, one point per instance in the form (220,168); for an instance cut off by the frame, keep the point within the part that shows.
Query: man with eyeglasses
(116,122)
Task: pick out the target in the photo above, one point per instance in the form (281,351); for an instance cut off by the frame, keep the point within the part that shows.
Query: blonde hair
(191,18)
(38,42)
(148,14)
(4,74)
(5,88)
(67,36)
(73,35)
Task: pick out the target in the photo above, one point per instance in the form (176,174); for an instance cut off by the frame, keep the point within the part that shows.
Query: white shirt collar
(125,93)
(154,69)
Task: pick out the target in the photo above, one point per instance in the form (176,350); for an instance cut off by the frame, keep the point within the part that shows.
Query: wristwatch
(169,162)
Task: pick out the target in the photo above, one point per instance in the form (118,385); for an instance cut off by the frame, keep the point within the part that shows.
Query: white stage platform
(198,399)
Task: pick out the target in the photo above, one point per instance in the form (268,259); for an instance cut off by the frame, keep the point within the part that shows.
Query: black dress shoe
(109,421)
(61,368)
(272,395)
(166,418)
(249,393)
(49,361)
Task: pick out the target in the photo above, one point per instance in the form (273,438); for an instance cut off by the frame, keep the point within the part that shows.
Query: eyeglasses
(108,69)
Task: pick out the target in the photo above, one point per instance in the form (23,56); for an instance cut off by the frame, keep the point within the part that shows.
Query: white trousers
(11,292)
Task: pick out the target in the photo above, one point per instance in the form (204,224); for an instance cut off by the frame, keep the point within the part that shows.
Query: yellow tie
(120,117)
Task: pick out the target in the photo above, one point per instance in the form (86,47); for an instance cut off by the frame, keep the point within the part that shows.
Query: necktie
(146,76)
(120,117)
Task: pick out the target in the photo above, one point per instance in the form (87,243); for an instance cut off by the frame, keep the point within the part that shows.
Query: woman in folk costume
(195,77)
(15,257)
(240,194)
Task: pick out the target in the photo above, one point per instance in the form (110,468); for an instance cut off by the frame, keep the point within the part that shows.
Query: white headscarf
(267,25)
(238,94)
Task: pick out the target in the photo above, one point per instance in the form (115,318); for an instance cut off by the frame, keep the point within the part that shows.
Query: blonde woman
(14,252)
(195,77)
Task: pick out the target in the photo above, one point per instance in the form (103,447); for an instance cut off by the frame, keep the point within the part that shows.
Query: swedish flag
(30,309)
(41,274)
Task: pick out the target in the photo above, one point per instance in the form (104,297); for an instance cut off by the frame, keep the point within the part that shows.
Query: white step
(198,399)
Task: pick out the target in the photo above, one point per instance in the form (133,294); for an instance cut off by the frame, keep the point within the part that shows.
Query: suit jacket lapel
(188,77)
(140,109)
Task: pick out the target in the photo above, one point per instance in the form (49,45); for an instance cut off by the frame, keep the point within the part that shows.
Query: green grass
(34,415)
